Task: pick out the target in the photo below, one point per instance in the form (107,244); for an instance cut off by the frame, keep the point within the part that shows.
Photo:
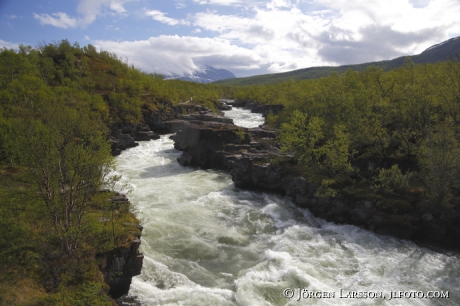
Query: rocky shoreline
(119,265)
(155,122)
(252,156)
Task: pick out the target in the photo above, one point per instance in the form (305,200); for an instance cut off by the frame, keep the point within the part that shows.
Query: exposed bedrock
(119,265)
(125,136)
(264,109)
(254,161)
(154,122)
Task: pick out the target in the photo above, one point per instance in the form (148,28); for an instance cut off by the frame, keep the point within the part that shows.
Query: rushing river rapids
(208,243)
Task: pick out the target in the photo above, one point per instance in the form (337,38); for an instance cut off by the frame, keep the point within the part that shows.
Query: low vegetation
(57,103)
(386,130)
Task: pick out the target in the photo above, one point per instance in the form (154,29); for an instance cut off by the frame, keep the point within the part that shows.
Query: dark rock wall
(209,144)
(157,121)
(121,264)
(203,143)
(122,137)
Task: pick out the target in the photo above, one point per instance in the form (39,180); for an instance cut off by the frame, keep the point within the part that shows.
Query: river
(208,243)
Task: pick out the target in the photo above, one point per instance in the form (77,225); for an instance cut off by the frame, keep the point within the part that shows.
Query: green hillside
(436,53)
(57,105)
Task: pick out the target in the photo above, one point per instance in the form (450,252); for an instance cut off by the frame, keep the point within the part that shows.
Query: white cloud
(176,55)
(117,5)
(245,4)
(218,2)
(161,17)
(282,37)
(88,11)
(182,55)
(60,20)
(278,35)
(180,4)
(330,32)
(265,36)
(419,3)
(8,45)
(396,25)
(279,3)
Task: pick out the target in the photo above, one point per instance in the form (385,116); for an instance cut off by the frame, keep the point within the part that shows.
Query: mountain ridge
(209,75)
(438,52)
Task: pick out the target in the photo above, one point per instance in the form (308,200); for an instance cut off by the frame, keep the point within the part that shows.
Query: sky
(247,37)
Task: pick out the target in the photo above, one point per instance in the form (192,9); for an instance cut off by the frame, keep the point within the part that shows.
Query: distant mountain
(440,52)
(209,75)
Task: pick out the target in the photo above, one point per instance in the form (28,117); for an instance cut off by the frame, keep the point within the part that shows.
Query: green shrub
(391,180)
(325,190)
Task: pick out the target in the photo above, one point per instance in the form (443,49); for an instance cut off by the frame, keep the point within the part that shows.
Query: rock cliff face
(253,159)
(119,265)
(203,137)
(155,121)
(123,137)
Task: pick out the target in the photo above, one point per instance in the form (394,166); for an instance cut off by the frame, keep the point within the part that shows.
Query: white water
(244,118)
(208,243)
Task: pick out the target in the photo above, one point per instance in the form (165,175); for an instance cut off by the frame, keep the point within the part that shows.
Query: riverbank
(209,140)
(207,242)
(253,158)
(35,268)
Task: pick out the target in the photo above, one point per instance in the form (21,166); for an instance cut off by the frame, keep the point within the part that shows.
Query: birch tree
(69,159)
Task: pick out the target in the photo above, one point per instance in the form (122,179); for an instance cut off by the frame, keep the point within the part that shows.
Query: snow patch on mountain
(442,43)
(207,75)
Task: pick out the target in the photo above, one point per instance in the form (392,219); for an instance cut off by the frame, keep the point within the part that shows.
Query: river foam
(208,243)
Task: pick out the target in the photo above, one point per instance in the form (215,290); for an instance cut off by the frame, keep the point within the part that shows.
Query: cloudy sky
(247,37)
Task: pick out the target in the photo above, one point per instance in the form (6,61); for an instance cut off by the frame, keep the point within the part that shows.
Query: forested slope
(57,103)
(392,136)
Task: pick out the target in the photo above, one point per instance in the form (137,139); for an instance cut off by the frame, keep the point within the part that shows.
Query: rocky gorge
(121,264)
(208,242)
(252,156)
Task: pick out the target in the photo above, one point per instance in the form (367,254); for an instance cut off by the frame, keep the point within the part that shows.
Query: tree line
(57,102)
(384,129)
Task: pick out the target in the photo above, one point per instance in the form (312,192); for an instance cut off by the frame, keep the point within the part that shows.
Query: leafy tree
(300,136)
(379,138)
(68,159)
(56,102)
(325,190)
(336,152)
(391,180)
(440,162)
